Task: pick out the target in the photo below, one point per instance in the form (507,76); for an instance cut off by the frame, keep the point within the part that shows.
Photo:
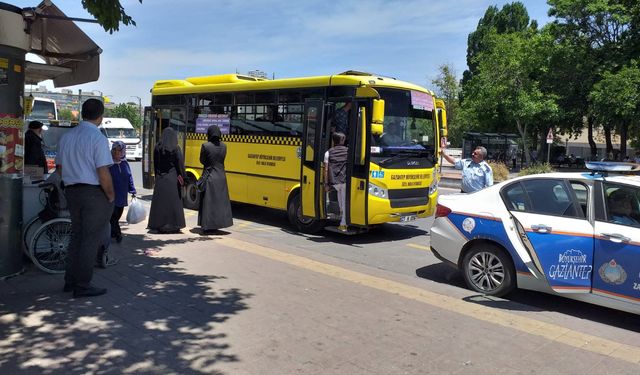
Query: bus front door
(150,132)
(358,166)
(311,169)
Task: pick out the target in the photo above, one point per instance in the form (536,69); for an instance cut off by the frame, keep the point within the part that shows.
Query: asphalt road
(403,249)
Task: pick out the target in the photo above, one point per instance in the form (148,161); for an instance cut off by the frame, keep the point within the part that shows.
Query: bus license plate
(406,218)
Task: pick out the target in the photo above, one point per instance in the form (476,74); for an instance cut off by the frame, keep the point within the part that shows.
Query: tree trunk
(523,133)
(592,143)
(624,131)
(607,139)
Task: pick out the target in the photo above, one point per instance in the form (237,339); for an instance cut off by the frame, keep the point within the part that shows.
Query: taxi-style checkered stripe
(261,139)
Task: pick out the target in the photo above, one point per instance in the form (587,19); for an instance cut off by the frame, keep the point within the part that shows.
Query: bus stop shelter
(70,58)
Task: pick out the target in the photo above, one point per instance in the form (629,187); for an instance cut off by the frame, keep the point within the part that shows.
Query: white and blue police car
(576,235)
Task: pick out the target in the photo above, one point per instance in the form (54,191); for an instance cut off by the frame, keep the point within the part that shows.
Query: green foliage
(500,171)
(66,114)
(108,13)
(511,18)
(536,169)
(447,88)
(127,111)
(505,88)
(617,95)
(597,38)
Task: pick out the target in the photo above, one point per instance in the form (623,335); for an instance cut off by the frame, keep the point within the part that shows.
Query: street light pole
(139,108)
(139,104)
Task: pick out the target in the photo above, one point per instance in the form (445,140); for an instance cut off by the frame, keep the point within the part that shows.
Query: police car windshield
(408,125)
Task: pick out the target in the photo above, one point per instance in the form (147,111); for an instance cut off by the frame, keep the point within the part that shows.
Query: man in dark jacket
(33,148)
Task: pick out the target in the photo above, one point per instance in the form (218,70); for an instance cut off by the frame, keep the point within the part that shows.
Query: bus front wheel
(301,223)
(191,199)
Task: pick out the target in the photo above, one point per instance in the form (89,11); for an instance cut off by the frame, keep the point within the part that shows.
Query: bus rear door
(312,157)
(150,130)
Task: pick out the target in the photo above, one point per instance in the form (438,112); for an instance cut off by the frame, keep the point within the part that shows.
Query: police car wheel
(488,269)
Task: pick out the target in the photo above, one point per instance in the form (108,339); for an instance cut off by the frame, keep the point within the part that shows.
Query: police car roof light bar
(605,167)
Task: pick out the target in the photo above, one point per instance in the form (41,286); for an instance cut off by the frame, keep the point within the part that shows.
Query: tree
(66,114)
(130,112)
(506,86)
(616,102)
(448,89)
(109,13)
(603,35)
(511,18)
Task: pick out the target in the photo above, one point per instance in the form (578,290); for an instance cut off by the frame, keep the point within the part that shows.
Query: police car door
(551,215)
(617,243)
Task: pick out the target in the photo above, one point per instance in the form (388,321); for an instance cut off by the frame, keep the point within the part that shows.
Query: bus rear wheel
(301,223)
(191,199)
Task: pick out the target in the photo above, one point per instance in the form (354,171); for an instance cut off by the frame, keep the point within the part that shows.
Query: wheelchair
(47,236)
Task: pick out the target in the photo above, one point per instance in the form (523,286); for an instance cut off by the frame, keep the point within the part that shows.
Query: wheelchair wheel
(28,233)
(50,245)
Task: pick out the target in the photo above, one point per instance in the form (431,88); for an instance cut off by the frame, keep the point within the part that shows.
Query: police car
(576,235)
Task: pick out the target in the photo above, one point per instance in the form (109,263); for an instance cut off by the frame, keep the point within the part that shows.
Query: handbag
(201,183)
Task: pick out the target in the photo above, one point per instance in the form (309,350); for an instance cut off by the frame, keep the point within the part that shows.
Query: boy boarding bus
(277,132)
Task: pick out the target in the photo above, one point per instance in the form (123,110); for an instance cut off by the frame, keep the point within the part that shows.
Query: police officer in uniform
(476,173)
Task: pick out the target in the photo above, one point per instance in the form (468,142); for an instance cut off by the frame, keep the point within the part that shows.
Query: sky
(405,39)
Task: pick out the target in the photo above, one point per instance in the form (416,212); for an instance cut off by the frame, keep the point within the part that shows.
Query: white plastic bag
(136,213)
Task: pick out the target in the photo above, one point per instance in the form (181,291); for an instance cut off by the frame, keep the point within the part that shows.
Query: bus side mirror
(377,117)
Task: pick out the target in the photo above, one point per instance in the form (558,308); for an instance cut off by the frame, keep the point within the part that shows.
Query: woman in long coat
(166,214)
(215,207)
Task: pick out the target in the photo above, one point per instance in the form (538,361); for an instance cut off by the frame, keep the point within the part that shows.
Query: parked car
(120,129)
(50,138)
(575,235)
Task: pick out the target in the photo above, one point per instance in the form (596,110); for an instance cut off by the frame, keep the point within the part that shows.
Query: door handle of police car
(541,228)
(617,238)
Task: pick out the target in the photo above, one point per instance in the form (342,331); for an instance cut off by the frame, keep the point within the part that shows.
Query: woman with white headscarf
(122,185)
(166,214)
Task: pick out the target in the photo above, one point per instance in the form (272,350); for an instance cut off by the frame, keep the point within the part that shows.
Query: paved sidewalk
(222,304)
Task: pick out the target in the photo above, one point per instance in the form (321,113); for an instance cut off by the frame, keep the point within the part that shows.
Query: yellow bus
(277,132)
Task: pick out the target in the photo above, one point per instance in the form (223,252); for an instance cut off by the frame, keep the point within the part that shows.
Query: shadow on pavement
(278,219)
(155,318)
(377,234)
(526,300)
(441,273)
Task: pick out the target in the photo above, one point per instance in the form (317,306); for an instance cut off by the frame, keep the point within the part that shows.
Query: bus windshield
(120,133)
(407,128)
(43,110)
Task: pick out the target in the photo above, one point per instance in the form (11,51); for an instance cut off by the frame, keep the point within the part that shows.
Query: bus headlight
(433,187)
(377,191)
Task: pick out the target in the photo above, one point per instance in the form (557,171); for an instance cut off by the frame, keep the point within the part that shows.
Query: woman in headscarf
(166,214)
(122,185)
(215,208)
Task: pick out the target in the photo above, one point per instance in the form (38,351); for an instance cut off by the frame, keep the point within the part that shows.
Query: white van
(120,129)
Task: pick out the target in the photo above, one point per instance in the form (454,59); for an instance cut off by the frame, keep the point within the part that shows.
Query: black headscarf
(214,134)
(169,141)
